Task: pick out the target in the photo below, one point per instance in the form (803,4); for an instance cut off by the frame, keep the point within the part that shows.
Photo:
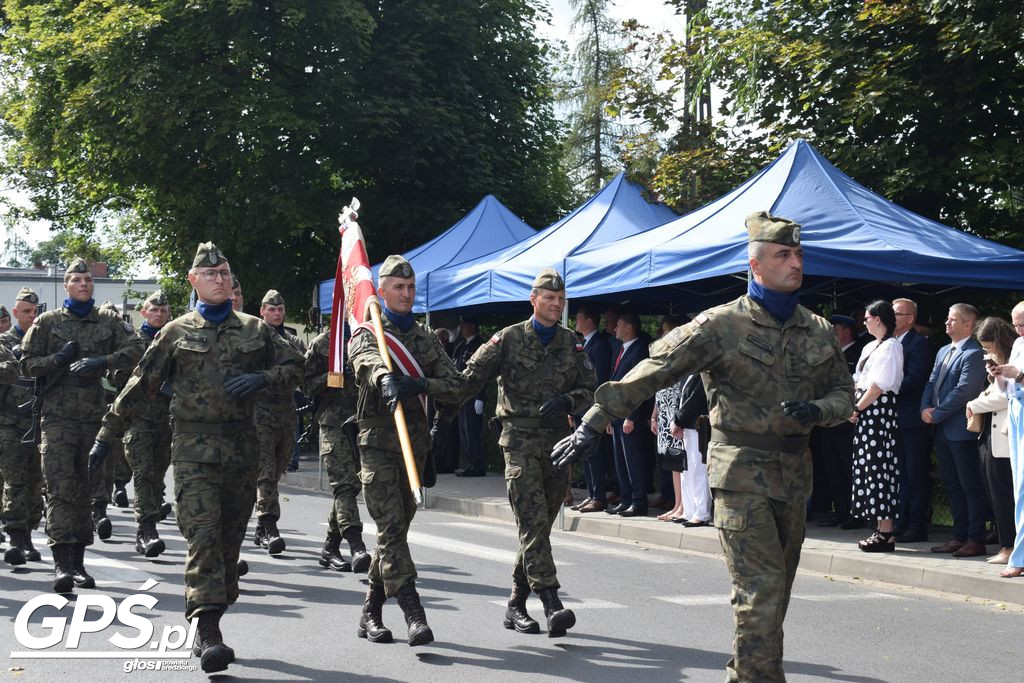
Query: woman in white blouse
(877,380)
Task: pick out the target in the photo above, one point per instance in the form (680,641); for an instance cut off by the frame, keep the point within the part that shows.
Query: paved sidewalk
(829,551)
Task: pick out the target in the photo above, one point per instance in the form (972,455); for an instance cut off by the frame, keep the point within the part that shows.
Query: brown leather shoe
(580,504)
(971,549)
(950,546)
(593,506)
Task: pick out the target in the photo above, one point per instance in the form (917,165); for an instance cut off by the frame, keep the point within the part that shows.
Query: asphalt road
(643,614)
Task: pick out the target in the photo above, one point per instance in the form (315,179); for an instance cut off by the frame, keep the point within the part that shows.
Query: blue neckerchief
(215,313)
(780,305)
(402,322)
(79,308)
(149,330)
(280,330)
(18,331)
(545,334)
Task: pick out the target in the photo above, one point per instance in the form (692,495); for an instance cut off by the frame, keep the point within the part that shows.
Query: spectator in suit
(628,441)
(599,351)
(958,376)
(471,422)
(913,437)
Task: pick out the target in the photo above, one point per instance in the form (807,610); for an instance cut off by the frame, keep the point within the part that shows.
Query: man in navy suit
(599,351)
(958,376)
(913,440)
(471,423)
(628,440)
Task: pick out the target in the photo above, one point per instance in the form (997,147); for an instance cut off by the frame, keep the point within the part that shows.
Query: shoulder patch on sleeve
(701,319)
(496,338)
(579,345)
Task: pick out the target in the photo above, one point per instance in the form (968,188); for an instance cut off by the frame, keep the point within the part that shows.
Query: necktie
(943,371)
(618,358)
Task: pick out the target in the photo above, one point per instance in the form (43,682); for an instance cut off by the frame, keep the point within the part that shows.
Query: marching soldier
(19,462)
(275,425)
(544,377)
(773,370)
(70,349)
(340,460)
(385,485)
(214,360)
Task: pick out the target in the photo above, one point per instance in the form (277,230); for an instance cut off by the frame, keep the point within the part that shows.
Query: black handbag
(674,459)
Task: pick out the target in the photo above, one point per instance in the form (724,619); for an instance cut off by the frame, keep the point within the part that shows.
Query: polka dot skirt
(876,489)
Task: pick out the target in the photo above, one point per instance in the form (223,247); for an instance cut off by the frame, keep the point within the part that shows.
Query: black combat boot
(371,623)
(31,554)
(330,556)
(242,568)
(213,654)
(100,521)
(147,539)
(559,618)
(15,554)
(165,511)
(415,619)
(63,568)
(360,558)
(259,538)
(120,494)
(81,577)
(516,616)
(272,540)
(3,539)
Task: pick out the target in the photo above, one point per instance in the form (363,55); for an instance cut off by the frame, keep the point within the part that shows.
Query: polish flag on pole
(353,291)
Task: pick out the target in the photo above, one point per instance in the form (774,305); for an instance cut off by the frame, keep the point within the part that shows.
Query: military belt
(535,422)
(271,399)
(73,381)
(379,421)
(762,442)
(219,428)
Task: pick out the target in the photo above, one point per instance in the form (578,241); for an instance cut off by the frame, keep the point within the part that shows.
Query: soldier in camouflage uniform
(342,464)
(5,320)
(147,442)
(275,425)
(72,411)
(22,476)
(237,300)
(773,370)
(543,377)
(385,484)
(215,360)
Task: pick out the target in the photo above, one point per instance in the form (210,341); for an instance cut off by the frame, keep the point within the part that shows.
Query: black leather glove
(411,386)
(67,353)
(97,454)
(556,407)
(579,445)
(804,412)
(88,366)
(243,385)
(17,352)
(389,391)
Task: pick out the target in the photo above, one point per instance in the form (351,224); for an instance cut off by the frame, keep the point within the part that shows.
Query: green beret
(4,313)
(396,266)
(157,298)
(273,298)
(764,227)
(549,279)
(78,265)
(208,255)
(26,294)
(235,284)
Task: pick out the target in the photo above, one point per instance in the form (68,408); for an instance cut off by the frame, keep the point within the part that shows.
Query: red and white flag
(353,291)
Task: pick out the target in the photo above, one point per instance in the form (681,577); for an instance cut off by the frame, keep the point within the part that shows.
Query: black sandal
(878,543)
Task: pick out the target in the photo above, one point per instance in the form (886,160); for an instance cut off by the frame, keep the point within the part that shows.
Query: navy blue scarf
(780,305)
(545,334)
(79,308)
(149,330)
(402,322)
(280,330)
(18,331)
(215,313)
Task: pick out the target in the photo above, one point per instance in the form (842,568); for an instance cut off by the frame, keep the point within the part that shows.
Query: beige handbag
(976,422)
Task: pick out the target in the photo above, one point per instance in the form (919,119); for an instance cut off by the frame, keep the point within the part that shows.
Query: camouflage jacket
(15,389)
(99,333)
(336,405)
(530,374)
(279,398)
(195,357)
(376,428)
(152,412)
(750,364)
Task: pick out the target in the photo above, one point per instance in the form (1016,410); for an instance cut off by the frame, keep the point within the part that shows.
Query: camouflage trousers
(147,447)
(275,425)
(64,450)
(101,482)
(343,475)
(391,504)
(761,539)
(214,504)
(22,481)
(536,491)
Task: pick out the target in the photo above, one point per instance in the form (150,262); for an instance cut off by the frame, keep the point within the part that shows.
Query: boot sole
(361,563)
(33,556)
(104,529)
(216,658)
(343,567)
(560,623)
(65,584)
(512,626)
(384,637)
(276,547)
(421,637)
(155,548)
(14,557)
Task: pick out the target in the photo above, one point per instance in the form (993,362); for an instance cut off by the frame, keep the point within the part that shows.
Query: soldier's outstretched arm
(837,404)
(284,363)
(315,368)
(142,387)
(444,383)
(482,367)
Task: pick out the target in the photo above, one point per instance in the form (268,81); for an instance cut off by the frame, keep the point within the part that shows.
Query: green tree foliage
(252,123)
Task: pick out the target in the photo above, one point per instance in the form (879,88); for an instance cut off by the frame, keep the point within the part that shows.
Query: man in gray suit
(957,377)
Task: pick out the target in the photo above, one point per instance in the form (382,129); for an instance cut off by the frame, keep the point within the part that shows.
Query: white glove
(478,407)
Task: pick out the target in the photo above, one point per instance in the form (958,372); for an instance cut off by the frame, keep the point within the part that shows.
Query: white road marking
(450,545)
(703,600)
(534,604)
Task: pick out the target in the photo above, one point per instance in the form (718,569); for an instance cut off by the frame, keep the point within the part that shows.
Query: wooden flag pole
(400,425)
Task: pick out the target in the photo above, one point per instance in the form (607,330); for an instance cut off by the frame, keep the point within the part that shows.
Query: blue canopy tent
(488,227)
(491,282)
(848,232)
